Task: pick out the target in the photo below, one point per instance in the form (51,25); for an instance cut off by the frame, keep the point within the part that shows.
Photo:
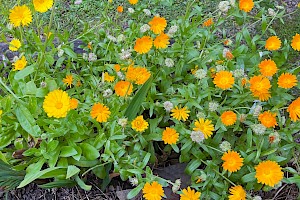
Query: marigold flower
(237,193)
(42,5)
(138,75)
(78,84)
(20,16)
(108,77)
(161,41)
(123,88)
(170,136)
(180,113)
(120,9)
(143,45)
(267,119)
(287,80)
(68,80)
(73,103)
(227,54)
(259,86)
(268,172)
(246,5)
(158,24)
(100,112)
(267,67)
(14,45)
(20,64)
(244,81)
(153,191)
(117,67)
(273,43)
(190,194)
(208,22)
(133,1)
(224,80)
(296,42)
(205,126)
(228,118)
(57,104)
(90,45)
(294,109)
(232,161)
(139,124)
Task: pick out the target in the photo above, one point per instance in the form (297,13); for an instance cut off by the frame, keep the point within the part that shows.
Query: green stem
(94,168)
(214,149)
(9,90)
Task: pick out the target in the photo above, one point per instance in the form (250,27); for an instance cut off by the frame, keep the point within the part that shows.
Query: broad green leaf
(72,170)
(89,152)
(135,191)
(69,52)
(24,72)
(67,151)
(58,184)
(82,184)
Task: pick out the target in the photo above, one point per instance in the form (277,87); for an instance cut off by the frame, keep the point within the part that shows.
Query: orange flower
(100,112)
(294,109)
(158,24)
(143,45)
(170,136)
(244,81)
(273,43)
(232,161)
(153,191)
(237,193)
(73,103)
(68,80)
(228,118)
(268,119)
(296,41)
(123,88)
(287,80)
(161,41)
(268,172)
(120,9)
(208,22)
(267,67)
(138,75)
(259,86)
(224,80)
(90,45)
(246,5)
(117,67)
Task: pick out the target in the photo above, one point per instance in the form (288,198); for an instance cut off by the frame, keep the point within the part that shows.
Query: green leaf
(135,191)
(82,184)
(24,72)
(30,88)
(192,166)
(58,184)
(72,170)
(67,151)
(248,177)
(89,152)
(69,52)
(146,160)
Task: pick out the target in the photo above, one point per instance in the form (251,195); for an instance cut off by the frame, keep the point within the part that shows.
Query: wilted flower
(274,137)
(220,68)
(125,54)
(281,7)
(225,146)
(202,177)
(213,106)
(169,62)
(173,29)
(133,181)
(120,75)
(123,122)
(257,198)
(131,10)
(9,26)
(92,57)
(120,38)
(200,74)
(168,106)
(258,129)
(77,2)
(43,84)
(145,28)
(238,73)
(60,53)
(84,56)
(232,2)
(200,115)
(242,117)
(111,38)
(176,186)
(107,93)
(147,12)
(256,111)
(224,6)
(197,136)
(227,54)
(227,42)
(271,12)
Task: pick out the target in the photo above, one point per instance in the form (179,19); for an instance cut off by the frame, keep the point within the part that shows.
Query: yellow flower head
(205,126)
(294,109)
(273,43)
(287,80)
(57,104)
(42,5)
(153,191)
(267,67)
(20,64)
(133,1)
(158,24)
(189,194)
(68,80)
(246,5)
(208,22)
(73,103)
(232,161)
(1,111)
(143,45)
(269,173)
(296,42)
(100,112)
(138,75)
(237,193)
(123,88)
(259,86)
(120,9)
(228,118)
(170,136)
(161,41)
(139,124)
(14,45)
(20,16)
(224,80)
(108,77)
(180,113)
(267,119)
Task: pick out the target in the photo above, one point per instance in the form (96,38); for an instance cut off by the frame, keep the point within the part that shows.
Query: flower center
(58,105)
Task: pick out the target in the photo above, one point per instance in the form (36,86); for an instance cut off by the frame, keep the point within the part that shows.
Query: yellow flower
(158,24)
(246,5)
(138,75)
(259,86)
(180,113)
(228,118)
(143,45)
(108,77)
(20,64)
(268,172)
(73,103)
(100,112)
(20,15)
(14,45)
(189,194)
(273,43)
(296,41)
(294,109)
(139,124)
(208,22)
(78,83)
(267,67)
(133,1)
(161,41)
(153,191)
(57,104)
(68,80)
(232,161)
(205,126)
(42,5)
(224,80)
(170,136)
(287,80)
(1,111)
(267,119)
(123,88)
(120,9)
(237,193)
